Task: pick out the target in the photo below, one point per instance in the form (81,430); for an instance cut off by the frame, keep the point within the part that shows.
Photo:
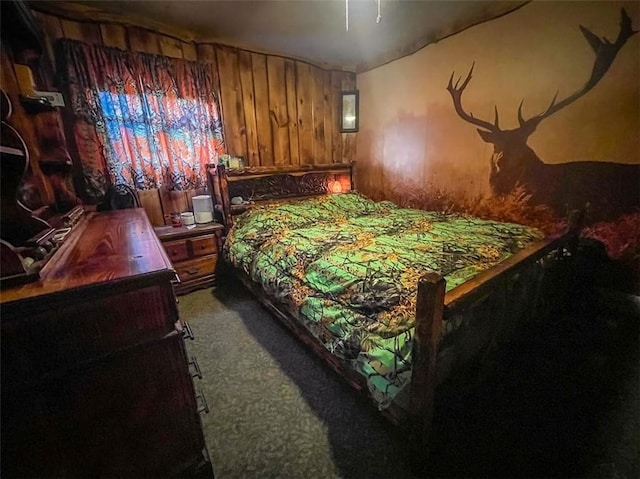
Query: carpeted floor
(564,402)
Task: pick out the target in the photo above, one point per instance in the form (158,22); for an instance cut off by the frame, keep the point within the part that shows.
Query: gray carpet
(563,403)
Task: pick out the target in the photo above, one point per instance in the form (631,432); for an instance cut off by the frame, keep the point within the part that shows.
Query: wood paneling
(337,144)
(28,128)
(114,36)
(279,111)
(231,97)
(275,110)
(318,115)
(304,93)
(52,29)
(86,32)
(143,41)
(170,47)
(173,201)
(263,117)
(150,201)
(206,53)
(278,115)
(327,118)
(292,111)
(248,100)
(189,52)
(191,193)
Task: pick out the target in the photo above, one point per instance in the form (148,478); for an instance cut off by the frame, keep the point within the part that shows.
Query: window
(140,119)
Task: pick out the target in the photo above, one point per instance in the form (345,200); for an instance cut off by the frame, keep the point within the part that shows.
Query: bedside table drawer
(196,268)
(193,252)
(202,246)
(177,250)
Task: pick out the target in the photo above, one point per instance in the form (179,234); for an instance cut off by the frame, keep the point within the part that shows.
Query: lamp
(202,208)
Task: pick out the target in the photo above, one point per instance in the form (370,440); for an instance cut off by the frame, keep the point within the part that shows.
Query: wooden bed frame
(488,309)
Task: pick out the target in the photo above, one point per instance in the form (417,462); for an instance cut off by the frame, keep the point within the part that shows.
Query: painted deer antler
(605,54)
(613,186)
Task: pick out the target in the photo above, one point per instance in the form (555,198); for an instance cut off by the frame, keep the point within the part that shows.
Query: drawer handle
(194,362)
(191,271)
(203,407)
(187,333)
(203,246)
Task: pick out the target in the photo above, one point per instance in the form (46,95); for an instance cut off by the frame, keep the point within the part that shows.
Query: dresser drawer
(196,268)
(64,336)
(129,415)
(202,246)
(177,250)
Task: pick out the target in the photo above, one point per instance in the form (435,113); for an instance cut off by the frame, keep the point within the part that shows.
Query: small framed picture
(349,101)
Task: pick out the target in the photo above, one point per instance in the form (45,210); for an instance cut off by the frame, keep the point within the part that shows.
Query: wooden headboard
(267,184)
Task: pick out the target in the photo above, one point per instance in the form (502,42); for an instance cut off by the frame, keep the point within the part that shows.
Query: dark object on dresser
(193,253)
(25,239)
(95,376)
(119,197)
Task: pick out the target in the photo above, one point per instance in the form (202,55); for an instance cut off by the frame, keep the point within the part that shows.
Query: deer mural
(608,188)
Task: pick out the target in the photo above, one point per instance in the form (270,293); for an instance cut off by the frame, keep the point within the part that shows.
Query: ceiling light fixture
(346,14)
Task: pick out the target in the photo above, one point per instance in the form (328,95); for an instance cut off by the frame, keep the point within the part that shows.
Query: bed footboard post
(429,311)
(570,279)
(574,227)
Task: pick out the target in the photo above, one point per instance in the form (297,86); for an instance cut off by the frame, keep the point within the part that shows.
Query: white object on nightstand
(203,208)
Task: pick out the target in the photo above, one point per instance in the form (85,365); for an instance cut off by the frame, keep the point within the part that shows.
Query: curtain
(140,119)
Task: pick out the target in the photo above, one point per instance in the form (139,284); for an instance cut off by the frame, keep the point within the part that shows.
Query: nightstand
(193,253)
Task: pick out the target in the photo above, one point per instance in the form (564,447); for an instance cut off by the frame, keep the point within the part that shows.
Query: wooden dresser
(193,253)
(95,375)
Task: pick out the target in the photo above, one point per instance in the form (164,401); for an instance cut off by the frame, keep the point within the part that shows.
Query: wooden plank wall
(29,127)
(275,110)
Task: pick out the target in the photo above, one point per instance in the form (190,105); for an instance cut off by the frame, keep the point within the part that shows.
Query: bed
(399,302)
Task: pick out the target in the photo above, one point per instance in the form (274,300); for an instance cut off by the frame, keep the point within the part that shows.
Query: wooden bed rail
(433,305)
(469,291)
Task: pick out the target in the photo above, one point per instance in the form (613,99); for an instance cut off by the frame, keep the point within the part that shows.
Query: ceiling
(312,30)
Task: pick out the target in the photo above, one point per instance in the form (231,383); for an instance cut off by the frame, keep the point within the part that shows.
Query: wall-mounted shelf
(36,104)
(52,166)
(9,150)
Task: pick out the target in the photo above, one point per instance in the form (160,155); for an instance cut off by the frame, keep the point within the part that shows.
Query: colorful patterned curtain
(140,119)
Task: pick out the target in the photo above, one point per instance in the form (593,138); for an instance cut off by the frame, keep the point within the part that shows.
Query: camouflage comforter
(348,268)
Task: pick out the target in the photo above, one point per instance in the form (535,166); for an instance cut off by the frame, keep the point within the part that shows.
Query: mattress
(348,268)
